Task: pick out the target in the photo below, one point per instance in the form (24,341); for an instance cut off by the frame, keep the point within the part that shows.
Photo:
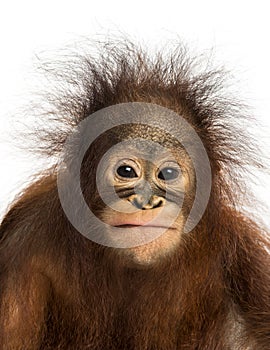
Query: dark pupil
(126,171)
(168,174)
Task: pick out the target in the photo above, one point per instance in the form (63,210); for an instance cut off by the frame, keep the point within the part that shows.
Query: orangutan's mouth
(143,225)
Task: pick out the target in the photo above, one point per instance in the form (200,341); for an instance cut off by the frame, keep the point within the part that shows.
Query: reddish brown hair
(213,292)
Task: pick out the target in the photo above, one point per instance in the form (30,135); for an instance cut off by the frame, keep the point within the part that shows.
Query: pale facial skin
(145,197)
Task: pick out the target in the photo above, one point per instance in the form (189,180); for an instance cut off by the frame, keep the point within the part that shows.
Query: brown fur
(61,291)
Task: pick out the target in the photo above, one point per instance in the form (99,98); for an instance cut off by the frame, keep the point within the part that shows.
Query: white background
(238,31)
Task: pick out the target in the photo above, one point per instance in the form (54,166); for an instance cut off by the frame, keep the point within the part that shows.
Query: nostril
(158,204)
(142,203)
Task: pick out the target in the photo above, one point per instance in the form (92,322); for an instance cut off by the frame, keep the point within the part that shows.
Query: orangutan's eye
(167,174)
(126,171)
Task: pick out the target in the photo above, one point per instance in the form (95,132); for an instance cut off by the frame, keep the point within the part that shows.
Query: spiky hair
(113,72)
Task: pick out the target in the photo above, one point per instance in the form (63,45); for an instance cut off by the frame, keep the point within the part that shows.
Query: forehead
(143,141)
(135,132)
